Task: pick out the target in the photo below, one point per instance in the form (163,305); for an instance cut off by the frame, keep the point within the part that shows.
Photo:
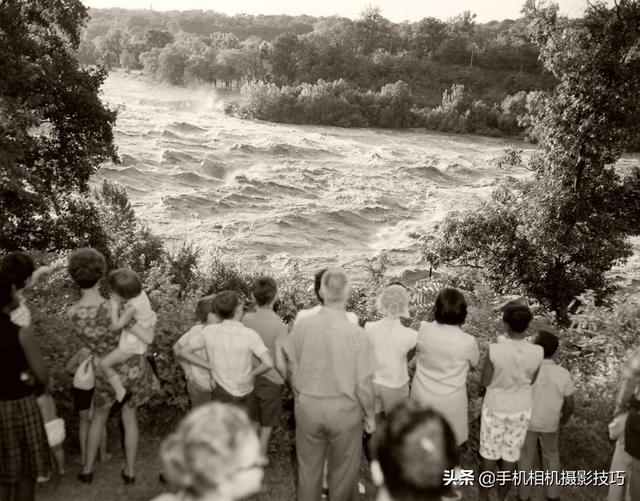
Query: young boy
(552,407)
(230,348)
(199,381)
(511,367)
(271,328)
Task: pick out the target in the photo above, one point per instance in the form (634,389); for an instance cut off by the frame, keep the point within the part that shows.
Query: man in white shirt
(230,347)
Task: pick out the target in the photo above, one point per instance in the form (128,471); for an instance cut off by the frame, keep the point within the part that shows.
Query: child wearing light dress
(132,314)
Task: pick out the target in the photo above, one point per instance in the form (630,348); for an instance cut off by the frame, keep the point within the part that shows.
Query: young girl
(131,312)
(510,370)
(213,455)
(199,379)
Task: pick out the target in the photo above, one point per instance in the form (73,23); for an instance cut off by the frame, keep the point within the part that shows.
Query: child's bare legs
(486,465)
(58,455)
(83,430)
(115,357)
(104,455)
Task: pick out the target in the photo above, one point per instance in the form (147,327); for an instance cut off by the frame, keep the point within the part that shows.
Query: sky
(395,10)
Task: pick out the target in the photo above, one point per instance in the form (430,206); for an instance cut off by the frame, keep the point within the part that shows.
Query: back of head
(86,267)
(125,283)
(335,286)
(264,290)
(414,448)
(210,444)
(450,307)
(394,301)
(18,267)
(225,304)
(317,282)
(517,316)
(548,341)
(204,307)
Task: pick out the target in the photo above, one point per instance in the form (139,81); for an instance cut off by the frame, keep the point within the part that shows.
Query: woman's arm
(33,355)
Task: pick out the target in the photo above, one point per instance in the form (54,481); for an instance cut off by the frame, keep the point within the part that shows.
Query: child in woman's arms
(132,314)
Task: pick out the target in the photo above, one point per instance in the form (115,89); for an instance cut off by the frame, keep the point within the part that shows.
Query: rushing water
(269,193)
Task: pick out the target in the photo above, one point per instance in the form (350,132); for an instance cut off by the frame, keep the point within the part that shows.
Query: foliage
(54,130)
(561,233)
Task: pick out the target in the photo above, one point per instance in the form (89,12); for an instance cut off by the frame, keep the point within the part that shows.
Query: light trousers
(328,428)
(550,460)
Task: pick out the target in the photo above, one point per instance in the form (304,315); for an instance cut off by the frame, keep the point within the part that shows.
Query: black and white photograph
(345,250)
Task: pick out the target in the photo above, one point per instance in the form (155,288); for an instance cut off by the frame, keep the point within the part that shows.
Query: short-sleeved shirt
(202,377)
(331,357)
(353,318)
(230,347)
(552,385)
(391,342)
(445,354)
(515,361)
(270,327)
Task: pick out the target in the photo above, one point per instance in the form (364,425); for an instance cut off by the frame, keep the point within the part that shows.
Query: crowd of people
(404,391)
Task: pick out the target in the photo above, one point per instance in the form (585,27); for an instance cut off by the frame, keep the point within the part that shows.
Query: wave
(176,157)
(428,172)
(186,127)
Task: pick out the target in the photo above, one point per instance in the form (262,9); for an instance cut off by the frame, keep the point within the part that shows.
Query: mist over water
(269,193)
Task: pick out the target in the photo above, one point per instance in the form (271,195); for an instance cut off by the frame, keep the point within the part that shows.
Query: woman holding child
(91,317)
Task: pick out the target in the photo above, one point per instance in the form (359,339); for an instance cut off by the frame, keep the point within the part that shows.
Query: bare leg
(104,455)
(83,432)
(486,465)
(265,435)
(115,357)
(130,423)
(95,436)
(58,455)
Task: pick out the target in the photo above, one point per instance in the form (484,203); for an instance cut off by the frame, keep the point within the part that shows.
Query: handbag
(84,378)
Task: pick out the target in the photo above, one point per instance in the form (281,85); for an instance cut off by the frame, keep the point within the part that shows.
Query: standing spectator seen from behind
(317,280)
(199,380)
(24,450)
(627,401)
(445,353)
(230,348)
(271,328)
(552,407)
(331,367)
(391,343)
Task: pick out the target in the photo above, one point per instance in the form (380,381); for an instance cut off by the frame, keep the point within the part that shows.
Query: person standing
(268,387)
(445,354)
(331,365)
(24,450)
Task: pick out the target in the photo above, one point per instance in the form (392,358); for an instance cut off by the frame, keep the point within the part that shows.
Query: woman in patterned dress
(91,319)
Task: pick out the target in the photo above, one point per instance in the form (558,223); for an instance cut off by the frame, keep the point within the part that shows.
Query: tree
(567,227)
(282,57)
(171,65)
(426,36)
(54,130)
(158,39)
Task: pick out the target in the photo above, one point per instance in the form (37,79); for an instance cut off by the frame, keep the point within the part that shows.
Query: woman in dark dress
(24,450)
(91,319)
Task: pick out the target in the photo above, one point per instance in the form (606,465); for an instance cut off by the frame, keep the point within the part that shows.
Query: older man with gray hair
(330,362)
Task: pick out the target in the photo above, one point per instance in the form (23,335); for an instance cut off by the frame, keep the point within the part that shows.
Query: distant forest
(491,60)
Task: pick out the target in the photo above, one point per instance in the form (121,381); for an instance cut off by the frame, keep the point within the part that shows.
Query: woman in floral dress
(91,319)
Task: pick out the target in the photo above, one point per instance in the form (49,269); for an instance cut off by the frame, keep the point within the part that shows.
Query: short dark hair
(517,315)
(317,283)
(204,307)
(6,290)
(549,342)
(264,290)
(225,304)
(414,448)
(125,283)
(18,267)
(86,267)
(396,282)
(450,307)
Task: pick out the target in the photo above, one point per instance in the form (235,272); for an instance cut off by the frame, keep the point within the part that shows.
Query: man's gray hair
(334,286)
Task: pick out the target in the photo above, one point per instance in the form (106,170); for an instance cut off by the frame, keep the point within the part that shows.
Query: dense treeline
(491,60)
